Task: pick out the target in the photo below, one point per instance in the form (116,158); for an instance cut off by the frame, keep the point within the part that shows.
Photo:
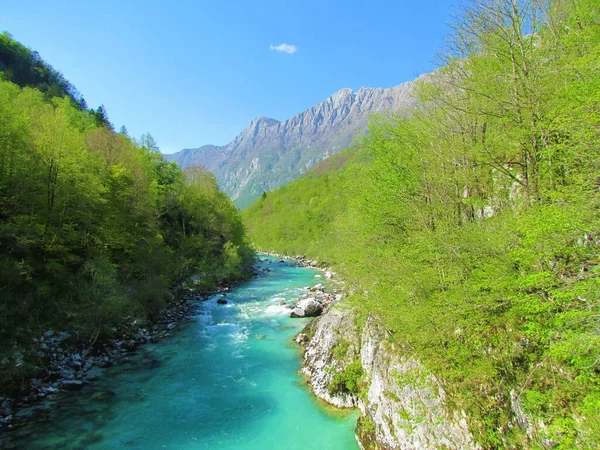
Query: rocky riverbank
(67,365)
(350,364)
(403,406)
(303,261)
(317,298)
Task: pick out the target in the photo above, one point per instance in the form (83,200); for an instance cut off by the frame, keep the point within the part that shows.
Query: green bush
(348,380)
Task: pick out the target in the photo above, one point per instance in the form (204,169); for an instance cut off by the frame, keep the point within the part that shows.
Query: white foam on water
(223,328)
(240,337)
(277,310)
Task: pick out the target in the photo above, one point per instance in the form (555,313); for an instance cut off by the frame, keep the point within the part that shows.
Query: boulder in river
(222,301)
(308,307)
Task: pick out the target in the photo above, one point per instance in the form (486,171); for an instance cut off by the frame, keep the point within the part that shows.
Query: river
(228,379)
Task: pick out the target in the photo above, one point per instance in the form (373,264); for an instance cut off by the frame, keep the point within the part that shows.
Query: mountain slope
(270,153)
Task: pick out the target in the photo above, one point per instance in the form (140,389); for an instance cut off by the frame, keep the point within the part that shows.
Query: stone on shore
(317,288)
(308,307)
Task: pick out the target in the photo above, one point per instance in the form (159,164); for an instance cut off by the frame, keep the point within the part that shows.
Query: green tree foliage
(25,67)
(96,229)
(471,227)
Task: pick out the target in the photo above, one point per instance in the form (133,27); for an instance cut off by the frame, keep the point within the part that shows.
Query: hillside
(299,217)
(96,229)
(470,228)
(269,153)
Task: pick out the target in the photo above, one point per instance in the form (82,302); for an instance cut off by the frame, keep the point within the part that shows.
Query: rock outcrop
(402,404)
(321,338)
(270,153)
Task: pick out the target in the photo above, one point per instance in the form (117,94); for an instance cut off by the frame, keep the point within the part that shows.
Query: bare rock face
(405,401)
(322,336)
(270,153)
(402,404)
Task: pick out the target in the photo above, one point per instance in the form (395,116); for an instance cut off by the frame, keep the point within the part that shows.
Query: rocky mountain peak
(269,153)
(263,120)
(341,95)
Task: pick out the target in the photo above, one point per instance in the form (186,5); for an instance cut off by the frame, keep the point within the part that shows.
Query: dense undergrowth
(473,228)
(95,227)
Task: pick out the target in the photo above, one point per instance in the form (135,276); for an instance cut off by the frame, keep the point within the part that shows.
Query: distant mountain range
(270,153)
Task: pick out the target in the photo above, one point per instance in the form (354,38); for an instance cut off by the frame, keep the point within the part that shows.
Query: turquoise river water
(226,380)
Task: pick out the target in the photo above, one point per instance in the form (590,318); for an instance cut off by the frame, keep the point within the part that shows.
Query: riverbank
(350,363)
(68,365)
(228,379)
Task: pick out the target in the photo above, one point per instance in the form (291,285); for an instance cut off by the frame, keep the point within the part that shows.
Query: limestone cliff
(402,404)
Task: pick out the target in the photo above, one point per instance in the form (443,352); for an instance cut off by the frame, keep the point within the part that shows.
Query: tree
(101,117)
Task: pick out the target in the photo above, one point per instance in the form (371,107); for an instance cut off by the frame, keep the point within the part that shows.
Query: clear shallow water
(227,380)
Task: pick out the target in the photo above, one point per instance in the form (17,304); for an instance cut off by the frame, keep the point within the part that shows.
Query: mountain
(270,153)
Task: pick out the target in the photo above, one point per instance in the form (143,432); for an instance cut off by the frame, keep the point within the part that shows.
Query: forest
(96,228)
(471,226)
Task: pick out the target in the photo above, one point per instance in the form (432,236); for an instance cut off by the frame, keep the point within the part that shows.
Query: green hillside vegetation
(25,67)
(95,228)
(299,217)
(472,227)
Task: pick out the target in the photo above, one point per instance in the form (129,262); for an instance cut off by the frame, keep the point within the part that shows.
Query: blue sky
(196,72)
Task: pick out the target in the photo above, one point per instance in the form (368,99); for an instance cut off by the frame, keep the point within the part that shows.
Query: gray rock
(308,307)
(5,407)
(317,288)
(87,365)
(66,373)
(103,361)
(143,336)
(63,336)
(48,390)
(48,334)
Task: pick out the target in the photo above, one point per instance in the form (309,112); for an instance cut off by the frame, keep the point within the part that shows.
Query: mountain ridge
(269,152)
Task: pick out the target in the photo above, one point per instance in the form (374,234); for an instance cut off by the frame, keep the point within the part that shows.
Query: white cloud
(285,48)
